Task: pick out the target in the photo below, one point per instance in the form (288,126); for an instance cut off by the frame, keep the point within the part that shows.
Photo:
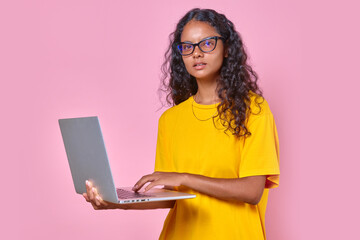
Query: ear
(226,53)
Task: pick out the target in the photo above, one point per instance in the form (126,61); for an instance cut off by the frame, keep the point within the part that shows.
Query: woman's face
(194,32)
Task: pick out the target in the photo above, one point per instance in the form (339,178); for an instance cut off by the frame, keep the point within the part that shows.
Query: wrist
(185,179)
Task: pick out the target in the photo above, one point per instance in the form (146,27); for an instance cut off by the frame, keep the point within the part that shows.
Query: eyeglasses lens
(186,49)
(208,45)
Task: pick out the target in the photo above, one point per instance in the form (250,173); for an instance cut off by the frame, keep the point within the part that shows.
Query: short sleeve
(162,159)
(260,153)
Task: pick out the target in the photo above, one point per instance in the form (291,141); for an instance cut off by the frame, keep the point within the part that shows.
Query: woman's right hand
(93,197)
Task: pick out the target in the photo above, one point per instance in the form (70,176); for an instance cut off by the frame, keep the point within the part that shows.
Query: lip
(199,67)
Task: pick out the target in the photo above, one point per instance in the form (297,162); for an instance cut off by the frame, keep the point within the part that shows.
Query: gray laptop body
(86,153)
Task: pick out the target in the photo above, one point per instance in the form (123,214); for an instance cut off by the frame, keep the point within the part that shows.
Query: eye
(209,43)
(186,47)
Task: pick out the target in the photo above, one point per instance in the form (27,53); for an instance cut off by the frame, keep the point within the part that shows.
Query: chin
(203,76)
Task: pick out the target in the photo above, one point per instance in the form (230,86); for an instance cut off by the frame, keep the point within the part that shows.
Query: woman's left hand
(168,179)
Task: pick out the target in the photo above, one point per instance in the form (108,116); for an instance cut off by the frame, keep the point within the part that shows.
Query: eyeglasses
(205,45)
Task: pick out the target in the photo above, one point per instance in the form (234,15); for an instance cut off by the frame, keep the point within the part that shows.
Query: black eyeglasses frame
(198,44)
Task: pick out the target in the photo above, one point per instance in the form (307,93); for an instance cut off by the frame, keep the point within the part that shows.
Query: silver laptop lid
(86,153)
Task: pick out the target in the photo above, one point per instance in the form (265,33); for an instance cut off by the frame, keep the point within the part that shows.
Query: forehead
(195,31)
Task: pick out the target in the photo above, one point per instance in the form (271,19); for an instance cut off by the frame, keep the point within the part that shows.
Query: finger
(93,197)
(100,203)
(89,190)
(142,181)
(151,185)
(88,184)
(86,197)
(139,183)
(94,206)
(87,187)
(91,194)
(96,197)
(103,203)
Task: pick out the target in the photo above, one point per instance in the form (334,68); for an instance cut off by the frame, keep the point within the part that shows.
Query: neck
(207,93)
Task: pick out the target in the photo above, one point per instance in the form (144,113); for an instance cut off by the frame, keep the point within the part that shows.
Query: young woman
(218,141)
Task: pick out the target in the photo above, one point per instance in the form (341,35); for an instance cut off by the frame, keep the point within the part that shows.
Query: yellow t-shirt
(186,144)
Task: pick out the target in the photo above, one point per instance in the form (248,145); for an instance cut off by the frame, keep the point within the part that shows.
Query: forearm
(147,205)
(247,190)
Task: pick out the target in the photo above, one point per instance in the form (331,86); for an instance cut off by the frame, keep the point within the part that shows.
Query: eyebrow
(202,39)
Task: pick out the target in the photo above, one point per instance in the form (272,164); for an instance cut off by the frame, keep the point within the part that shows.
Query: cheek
(188,64)
(217,62)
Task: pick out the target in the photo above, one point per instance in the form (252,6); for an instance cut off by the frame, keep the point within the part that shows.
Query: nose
(197,52)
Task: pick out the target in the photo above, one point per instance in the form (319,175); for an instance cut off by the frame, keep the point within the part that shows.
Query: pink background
(63,59)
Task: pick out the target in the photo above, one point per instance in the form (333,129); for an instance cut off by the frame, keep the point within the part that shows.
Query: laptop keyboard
(124,194)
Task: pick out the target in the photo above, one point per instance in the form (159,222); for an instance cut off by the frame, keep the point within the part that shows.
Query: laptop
(86,153)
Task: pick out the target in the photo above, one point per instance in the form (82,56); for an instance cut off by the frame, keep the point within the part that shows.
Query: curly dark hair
(237,82)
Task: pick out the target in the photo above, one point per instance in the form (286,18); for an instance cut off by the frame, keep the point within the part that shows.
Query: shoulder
(173,112)
(259,108)
(259,105)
